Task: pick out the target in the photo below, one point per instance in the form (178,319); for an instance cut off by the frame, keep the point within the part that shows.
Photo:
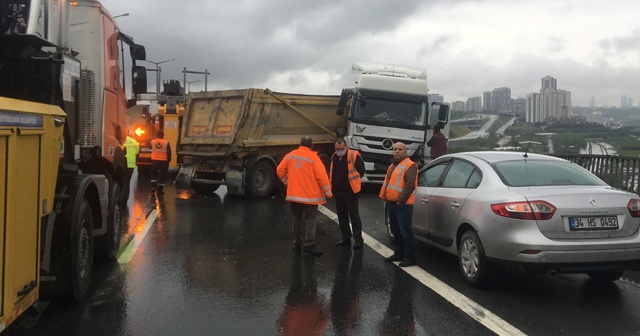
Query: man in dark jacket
(438,143)
(347,169)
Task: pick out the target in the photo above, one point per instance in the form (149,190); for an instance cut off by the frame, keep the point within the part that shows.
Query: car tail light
(634,207)
(533,210)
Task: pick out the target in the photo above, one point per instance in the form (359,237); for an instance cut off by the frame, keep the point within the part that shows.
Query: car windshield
(526,173)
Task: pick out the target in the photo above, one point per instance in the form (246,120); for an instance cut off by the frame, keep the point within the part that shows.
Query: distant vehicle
(529,212)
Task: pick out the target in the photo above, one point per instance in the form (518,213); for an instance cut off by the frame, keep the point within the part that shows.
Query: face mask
(341,153)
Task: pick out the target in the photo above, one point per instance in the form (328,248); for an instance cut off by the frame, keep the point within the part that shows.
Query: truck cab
(389,104)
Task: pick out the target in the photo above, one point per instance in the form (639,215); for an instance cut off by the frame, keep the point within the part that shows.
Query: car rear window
(525,173)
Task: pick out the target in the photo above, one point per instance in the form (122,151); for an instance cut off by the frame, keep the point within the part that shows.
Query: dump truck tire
(261,179)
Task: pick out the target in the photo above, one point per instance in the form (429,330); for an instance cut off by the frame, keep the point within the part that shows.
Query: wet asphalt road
(223,265)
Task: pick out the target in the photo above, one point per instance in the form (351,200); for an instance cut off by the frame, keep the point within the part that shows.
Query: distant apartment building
(434,97)
(592,102)
(458,105)
(549,103)
(474,104)
(486,98)
(501,100)
(519,106)
(626,101)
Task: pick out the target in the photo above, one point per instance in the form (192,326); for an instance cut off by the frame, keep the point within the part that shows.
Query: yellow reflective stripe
(326,187)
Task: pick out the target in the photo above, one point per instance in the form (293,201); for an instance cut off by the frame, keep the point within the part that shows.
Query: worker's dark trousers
(158,174)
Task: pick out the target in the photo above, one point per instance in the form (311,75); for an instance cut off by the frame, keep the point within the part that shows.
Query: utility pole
(158,71)
(205,73)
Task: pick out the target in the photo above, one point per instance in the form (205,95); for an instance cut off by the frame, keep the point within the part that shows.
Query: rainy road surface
(223,265)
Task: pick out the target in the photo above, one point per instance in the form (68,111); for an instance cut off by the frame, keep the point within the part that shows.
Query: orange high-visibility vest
(159,149)
(305,176)
(352,172)
(394,184)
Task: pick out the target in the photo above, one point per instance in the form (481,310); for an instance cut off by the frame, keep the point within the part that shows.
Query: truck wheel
(260,179)
(81,251)
(114,225)
(204,189)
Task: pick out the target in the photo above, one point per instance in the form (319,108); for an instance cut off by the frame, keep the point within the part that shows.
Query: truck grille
(86,136)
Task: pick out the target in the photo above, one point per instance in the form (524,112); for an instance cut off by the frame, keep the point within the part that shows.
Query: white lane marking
(490,320)
(141,231)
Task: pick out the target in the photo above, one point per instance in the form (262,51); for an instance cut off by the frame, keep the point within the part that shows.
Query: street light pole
(158,71)
(189,84)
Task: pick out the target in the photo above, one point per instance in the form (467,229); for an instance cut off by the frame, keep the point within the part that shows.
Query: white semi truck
(389,104)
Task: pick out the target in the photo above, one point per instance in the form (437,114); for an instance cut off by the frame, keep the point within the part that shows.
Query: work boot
(407,262)
(344,242)
(393,257)
(357,245)
(160,189)
(311,249)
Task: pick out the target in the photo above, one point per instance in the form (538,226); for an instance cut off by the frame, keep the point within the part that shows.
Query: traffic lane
(224,265)
(535,304)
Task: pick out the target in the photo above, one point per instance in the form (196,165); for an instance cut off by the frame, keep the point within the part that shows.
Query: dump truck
(63,107)
(237,137)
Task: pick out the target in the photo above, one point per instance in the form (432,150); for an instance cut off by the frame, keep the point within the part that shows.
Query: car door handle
(455,204)
(425,200)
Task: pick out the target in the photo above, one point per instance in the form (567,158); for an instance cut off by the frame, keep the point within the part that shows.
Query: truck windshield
(390,112)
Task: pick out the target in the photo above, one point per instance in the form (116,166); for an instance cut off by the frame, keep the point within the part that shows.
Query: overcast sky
(592,47)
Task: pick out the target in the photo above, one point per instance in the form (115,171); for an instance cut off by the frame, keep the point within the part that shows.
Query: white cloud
(591,47)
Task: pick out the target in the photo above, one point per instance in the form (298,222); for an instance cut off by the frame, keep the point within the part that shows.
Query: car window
(524,173)
(474,180)
(458,175)
(430,176)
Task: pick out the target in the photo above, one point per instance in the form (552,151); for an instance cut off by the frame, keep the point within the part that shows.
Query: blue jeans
(400,223)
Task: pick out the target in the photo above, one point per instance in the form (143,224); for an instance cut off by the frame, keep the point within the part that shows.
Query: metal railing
(618,171)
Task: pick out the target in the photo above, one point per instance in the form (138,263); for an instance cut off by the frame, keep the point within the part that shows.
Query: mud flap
(183,180)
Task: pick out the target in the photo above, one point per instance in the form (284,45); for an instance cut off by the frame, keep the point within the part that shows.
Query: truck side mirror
(139,79)
(443,114)
(344,97)
(138,52)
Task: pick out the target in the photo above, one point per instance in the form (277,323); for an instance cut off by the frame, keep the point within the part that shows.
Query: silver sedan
(529,212)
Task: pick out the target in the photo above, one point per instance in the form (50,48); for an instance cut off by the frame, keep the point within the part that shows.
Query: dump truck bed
(222,122)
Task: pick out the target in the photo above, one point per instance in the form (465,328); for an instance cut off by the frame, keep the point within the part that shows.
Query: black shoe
(344,242)
(311,249)
(393,258)
(407,262)
(296,247)
(160,191)
(357,246)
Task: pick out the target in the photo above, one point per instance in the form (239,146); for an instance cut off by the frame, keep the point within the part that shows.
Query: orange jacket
(305,177)
(394,183)
(159,149)
(352,172)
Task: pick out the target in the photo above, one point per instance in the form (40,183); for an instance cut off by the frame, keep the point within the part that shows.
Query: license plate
(593,223)
(206,168)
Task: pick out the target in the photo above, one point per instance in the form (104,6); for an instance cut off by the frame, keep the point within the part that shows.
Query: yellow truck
(63,110)
(237,137)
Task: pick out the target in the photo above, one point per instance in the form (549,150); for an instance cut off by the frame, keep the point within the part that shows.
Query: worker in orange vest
(399,191)
(345,174)
(160,158)
(308,186)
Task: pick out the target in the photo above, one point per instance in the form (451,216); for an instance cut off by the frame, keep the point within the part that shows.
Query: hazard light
(139,131)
